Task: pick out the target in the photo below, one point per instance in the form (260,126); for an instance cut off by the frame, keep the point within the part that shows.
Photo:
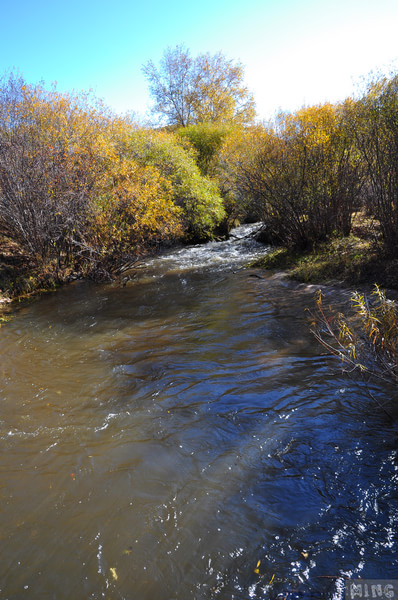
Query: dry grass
(353,260)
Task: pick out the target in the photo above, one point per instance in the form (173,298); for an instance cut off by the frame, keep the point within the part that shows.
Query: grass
(354,260)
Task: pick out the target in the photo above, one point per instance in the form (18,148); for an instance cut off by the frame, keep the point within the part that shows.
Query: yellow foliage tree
(208,88)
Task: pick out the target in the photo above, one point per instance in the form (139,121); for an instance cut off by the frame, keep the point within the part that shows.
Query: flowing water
(184,437)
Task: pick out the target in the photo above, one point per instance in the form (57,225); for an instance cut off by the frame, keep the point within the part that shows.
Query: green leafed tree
(207,88)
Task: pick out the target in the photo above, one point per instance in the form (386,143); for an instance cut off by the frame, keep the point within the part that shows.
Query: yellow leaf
(113,573)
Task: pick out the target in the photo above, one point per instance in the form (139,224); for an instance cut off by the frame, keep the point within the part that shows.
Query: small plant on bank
(367,340)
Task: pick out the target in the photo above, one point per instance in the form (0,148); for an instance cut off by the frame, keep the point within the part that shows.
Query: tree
(190,90)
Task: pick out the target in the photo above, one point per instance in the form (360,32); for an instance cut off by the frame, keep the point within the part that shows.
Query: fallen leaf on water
(73,476)
(272,579)
(114,574)
(257,570)
(304,554)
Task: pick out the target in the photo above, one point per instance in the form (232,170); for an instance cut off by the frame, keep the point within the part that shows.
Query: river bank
(351,261)
(22,278)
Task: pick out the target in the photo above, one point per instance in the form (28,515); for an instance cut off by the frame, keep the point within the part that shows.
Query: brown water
(159,440)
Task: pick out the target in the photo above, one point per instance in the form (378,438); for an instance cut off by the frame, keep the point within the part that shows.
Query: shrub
(207,139)
(198,197)
(302,175)
(376,131)
(72,191)
(53,155)
(367,340)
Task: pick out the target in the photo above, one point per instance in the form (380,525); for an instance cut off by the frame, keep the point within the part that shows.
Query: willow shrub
(134,212)
(71,190)
(53,155)
(237,172)
(207,139)
(301,175)
(197,196)
(376,132)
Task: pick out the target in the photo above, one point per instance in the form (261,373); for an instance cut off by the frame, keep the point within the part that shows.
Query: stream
(185,437)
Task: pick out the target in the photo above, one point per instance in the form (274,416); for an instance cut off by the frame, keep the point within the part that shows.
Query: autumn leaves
(82,188)
(207,88)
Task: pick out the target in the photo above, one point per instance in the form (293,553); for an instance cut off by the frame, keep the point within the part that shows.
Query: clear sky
(294,52)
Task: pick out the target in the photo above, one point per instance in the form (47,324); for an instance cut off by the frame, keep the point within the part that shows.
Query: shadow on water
(183,437)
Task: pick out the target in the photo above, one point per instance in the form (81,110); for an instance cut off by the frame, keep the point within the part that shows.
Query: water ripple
(183,437)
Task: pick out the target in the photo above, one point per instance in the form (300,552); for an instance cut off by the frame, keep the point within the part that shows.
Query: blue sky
(294,52)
